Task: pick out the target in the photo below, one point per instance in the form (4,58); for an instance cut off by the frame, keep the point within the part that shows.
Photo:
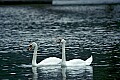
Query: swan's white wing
(79,62)
(75,62)
(50,61)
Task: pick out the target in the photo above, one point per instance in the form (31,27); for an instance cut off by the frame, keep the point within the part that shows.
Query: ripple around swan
(87,30)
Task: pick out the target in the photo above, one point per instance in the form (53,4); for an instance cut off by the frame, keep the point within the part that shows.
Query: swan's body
(46,62)
(50,61)
(56,61)
(79,62)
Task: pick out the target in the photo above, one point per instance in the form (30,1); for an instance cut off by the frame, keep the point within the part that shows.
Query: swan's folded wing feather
(75,62)
(89,61)
(79,62)
(50,61)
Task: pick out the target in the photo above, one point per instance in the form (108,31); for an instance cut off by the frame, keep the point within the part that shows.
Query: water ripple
(86,29)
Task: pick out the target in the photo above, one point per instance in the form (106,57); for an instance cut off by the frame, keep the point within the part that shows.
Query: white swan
(73,62)
(56,61)
(46,62)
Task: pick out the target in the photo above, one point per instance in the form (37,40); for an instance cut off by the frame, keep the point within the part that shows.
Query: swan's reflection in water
(35,74)
(64,73)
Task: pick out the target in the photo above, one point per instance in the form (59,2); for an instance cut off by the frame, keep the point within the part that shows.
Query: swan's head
(60,40)
(33,44)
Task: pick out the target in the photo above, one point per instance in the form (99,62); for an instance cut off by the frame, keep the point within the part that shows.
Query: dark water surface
(88,30)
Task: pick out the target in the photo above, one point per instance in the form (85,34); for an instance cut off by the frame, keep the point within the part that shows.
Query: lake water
(88,30)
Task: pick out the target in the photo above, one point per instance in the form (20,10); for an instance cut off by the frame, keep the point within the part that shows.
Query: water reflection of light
(84,72)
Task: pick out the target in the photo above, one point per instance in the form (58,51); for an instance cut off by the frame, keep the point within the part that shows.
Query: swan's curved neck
(34,63)
(63,54)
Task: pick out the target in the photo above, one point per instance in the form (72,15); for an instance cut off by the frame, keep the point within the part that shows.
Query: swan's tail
(89,60)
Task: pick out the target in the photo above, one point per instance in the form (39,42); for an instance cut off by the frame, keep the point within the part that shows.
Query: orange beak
(30,47)
(58,41)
